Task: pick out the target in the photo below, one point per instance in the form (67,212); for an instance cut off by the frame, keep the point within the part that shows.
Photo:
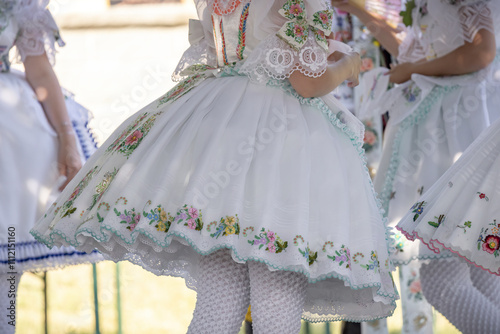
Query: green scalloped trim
(50,242)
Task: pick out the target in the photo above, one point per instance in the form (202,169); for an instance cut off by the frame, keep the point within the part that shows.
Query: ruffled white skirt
(433,120)
(231,164)
(28,175)
(461,213)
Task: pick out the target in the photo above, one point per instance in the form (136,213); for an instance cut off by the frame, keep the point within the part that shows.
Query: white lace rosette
(299,45)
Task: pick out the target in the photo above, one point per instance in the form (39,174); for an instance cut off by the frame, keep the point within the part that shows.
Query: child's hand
(353,61)
(68,158)
(401,73)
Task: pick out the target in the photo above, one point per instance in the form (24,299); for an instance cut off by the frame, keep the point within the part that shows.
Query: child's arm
(43,80)
(378,26)
(468,58)
(345,67)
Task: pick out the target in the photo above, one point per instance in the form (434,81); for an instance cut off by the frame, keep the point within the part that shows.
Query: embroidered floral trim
(128,145)
(125,133)
(67,208)
(465,226)
(270,240)
(489,239)
(101,188)
(414,287)
(227,226)
(296,31)
(483,196)
(158,216)
(129,217)
(373,263)
(311,256)
(183,87)
(418,209)
(242,32)
(342,257)
(371,137)
(411,93)
(438,222)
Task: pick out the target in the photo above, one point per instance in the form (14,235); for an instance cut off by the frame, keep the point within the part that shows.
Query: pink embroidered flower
(415,287)
(193,213)
(298,31)
(271,247)
(74,194)
(137,218)
(271,236)
(191,224)
(491,244)
(132,227)
(482,196)
(366,64)
(295,9)
(370,138)
(323,17)
(133,138)
(321,33)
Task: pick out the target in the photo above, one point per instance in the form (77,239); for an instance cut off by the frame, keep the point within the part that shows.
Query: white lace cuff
(38,31)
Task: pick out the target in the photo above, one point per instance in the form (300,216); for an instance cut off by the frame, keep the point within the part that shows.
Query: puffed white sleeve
(292,35)
(38,32)
(460,21)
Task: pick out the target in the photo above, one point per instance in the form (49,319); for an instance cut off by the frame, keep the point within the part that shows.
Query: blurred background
(119,56)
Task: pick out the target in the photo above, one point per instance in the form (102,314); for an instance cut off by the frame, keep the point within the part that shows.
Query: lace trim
(38,30)
(275,59)
(474,18)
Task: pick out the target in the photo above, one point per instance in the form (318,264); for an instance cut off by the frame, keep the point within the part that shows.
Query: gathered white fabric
(448,286)
(440,27)
(8,288)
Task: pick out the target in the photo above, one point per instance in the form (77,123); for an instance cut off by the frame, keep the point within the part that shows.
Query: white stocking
(447,286)
(487,283)
(8,290)
(223,295)
(277,299)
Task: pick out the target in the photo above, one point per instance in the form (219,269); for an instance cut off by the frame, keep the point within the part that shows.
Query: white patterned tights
(467,296)
(8,290)
(227,288)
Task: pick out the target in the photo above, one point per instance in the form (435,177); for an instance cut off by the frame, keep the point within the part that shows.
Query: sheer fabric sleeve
(38,32)
(460,20)
(202,50)
(292,38)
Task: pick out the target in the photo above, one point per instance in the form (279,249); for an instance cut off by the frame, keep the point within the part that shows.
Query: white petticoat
(461,212)
(232,164)
(28,175)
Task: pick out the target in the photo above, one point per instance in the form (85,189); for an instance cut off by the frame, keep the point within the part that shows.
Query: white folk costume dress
(233,158)
(28,144)
(432,121)
(460,213)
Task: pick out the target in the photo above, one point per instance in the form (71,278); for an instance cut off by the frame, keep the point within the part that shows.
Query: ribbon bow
(295,32)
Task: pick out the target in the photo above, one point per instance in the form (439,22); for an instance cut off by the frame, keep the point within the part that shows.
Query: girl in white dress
(39,143)
(447,71)
(241,179)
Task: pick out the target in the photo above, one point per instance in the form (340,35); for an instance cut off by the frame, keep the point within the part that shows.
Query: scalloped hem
(448,248)
(57,237)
